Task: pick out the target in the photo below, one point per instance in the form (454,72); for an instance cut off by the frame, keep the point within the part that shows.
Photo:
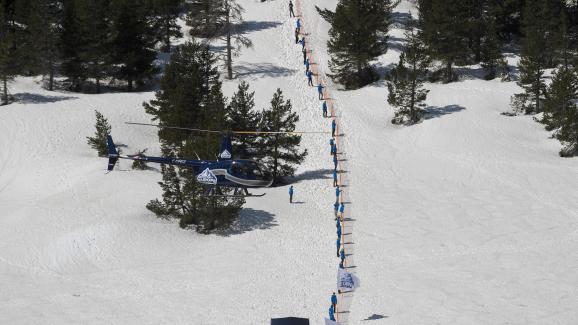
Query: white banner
(330,322)
(346,281)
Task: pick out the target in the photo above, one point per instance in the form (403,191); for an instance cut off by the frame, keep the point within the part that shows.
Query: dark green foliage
(444,26)
(560,97)
(132,42)
(204,18)
(490,50)
(9,61)
(406,91)
(42,42)
(97,40)
(190,96)
(98,142)
(140,164)
(358,35)
(164,15)
(72,44)
(280,151)
(241,116)
(568,133)
(184,91)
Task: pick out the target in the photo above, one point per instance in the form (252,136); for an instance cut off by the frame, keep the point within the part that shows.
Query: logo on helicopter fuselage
(225,154)
(207,177)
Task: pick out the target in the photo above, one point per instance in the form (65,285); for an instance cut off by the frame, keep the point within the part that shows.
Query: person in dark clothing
(320,90)
(331,143)
(335,162)
(333,128)
(338,244)
(304,55)
(307,65)
(334,149)
(310,78)
(336,209)
(342,255)
(324,108)
(334,301)
(334,178)
(291,13)
(291,194)
(296,36)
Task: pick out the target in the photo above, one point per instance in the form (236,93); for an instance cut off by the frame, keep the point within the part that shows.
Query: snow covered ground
(467,218)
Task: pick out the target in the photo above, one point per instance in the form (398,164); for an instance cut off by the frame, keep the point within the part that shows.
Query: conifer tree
(560,97)
(43,39)
(444,31)
(280,151)
(103,129)
(204,18)
(490,50)
(242,116)
(72,44)
(568,133)
(96,31)
(184,91)
(358,35)
(132,42)
(406,91)
(164,21)
(232,33)
(8,66)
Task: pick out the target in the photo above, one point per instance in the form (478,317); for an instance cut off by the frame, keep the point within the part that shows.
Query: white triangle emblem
(226,154)
(207,177)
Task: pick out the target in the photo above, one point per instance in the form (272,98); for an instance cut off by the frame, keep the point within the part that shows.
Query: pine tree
(164,21)
(43,41)
(72,44)
(8,49)
(103,129)
(568,133)
(232,33)
(241,116)
(184,90)
(95,53)
(204,18)
(560,97)
(280,151)
(445,33)
(490,50)
(406,91)
(358,35)
(132,42)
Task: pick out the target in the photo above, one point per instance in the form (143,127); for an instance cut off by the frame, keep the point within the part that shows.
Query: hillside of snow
(469,217)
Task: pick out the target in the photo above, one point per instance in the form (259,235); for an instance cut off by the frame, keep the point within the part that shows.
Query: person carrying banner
(291,194)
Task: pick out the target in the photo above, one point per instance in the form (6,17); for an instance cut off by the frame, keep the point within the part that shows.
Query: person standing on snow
(333,128)
(291,13)
(320,90)
(331,143)
(331,313)
(337,193)
(336,209)
(334,150)
(296,36)
(342,255)
(304,54)
(338,244)
(324,108)
(302,41)
(334,178)
(310,78)
(291,194)
(298,25)
(307,65)
(341,210)
(334,301)
(335,162)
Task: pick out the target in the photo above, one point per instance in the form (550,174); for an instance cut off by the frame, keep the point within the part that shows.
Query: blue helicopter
(225,172)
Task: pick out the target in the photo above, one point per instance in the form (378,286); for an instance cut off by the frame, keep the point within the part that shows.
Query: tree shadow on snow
(249,220)
(314,174)
(376,317)
(255,26)
(262,70)
(29,98)
(435,112)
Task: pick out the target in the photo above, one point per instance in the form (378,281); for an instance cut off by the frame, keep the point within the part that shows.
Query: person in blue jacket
(291,194)
(336,209)
(307,65)
(324,108)
(331,313)
(302,41)
(298,24)
(320,90)
(335,162)
(341,209)
(334,301)
(310,78)
(296,36)
(334,149)
(342,255)
(304,51)
(335,178)
(338,244)
(333,128)
(339,232)
(331,142)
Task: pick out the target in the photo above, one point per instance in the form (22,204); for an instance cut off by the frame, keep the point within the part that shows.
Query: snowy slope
(467,218)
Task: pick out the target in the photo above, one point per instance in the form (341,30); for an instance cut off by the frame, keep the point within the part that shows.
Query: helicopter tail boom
(112,153)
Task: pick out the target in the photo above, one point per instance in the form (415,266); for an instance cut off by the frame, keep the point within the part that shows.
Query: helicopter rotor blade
(233,132)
